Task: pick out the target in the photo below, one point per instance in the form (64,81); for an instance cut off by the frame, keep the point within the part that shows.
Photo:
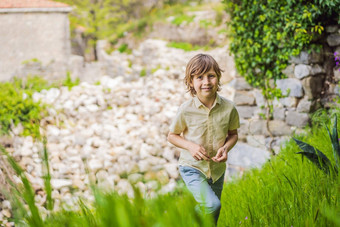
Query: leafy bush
(264,34)
(17,106)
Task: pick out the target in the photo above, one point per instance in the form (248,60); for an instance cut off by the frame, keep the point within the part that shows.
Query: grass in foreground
(108,209)
(116,210)
(289,190)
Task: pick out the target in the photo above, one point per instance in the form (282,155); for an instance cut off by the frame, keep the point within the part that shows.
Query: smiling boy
(205,127)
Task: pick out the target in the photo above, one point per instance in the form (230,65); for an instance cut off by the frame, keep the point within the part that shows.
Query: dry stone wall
(312,81)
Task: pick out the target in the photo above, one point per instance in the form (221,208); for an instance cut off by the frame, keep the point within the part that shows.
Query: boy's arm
(197,151)
(222,153)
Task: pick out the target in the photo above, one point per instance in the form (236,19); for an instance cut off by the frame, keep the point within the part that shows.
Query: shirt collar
(198,103)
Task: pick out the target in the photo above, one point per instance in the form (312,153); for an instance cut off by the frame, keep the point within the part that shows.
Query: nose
(206,80)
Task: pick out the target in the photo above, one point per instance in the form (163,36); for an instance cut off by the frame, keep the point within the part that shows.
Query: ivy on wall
(265,34)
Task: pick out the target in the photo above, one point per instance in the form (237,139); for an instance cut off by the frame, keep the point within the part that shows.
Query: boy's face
(205,85)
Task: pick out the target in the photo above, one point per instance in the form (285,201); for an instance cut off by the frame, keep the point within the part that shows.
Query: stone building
(34,36)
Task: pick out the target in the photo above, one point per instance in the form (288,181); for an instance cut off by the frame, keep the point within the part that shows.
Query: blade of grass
(28,193)
(335,142)
(47,176)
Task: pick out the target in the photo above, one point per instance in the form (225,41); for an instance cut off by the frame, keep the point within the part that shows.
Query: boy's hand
(222,155)
(198,152)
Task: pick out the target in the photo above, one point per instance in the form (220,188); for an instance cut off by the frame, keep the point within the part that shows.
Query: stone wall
(312,81)
(27,35)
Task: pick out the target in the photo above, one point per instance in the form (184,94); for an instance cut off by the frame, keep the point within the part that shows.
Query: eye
(200,77)
(212,75)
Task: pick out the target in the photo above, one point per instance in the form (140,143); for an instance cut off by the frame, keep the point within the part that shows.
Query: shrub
(17,105)
(264,34)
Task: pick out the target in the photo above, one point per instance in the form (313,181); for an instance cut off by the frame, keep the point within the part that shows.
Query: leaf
(314,155)
(335,142)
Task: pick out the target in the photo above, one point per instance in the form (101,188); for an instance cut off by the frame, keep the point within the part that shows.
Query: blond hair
(198,65)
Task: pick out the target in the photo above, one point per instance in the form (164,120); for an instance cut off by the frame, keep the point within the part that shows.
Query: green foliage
(47,176)
(155,69)
(115,19)
(111,209)
(68,82)
(184,46)
(124,48)
(98,19)
(319,158)
(314,155)
(17,106)
(219,15)
(264,34)
(142,72)
(285,191)
(33,60)
(205,23)
(184,18)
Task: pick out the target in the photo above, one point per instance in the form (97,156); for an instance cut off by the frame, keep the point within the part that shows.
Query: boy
(206,128)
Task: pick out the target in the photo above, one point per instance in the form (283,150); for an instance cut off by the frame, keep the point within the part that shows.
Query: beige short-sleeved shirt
(205,127)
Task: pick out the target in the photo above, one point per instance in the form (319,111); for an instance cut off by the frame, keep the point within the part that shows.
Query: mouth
(206,88)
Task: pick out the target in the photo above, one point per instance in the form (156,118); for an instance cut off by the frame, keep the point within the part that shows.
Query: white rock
(6,213)
(60,183)
(124,187)
(135,177)
(68,105)
(170,187)
(92,108)
(53,130)
(95,164)
(144,166)
(171,169)
(25,151)
(6,204)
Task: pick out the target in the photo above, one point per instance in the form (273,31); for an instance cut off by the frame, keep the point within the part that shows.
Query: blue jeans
(205,192)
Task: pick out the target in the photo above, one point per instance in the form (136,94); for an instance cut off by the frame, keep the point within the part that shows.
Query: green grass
(288,190)
(143,72)
(183,18)
(119,210)
(185,46)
